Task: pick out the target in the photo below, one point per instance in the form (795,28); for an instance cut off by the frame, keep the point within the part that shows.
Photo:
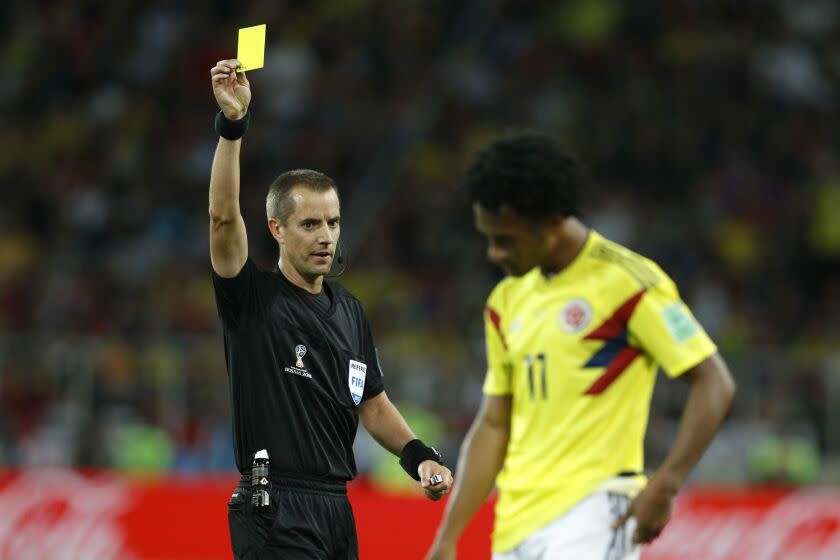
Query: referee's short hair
(279,203)
(527,172)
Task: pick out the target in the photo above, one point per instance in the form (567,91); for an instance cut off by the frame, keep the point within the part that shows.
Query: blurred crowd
(708,131)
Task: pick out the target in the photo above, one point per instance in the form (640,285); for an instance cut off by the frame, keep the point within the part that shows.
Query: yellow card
(251,49)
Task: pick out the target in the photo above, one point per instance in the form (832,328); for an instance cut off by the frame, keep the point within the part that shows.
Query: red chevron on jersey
(497,322)
(612,327)
(616,354)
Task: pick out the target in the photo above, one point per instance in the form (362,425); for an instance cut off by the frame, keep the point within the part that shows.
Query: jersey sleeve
(374,382)
(664,327)
(498,378)
(233,295)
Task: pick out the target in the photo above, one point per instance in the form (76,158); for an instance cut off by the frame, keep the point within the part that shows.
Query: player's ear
(554,228)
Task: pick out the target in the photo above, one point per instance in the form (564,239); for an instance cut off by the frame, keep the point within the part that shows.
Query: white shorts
(583,533)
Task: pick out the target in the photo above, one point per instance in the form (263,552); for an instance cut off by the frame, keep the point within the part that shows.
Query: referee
(301,361)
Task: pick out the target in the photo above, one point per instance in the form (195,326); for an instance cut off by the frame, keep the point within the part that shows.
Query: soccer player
(300,358)
(574,337)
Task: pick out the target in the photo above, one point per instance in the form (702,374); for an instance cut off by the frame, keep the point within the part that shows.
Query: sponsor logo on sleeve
(681,325)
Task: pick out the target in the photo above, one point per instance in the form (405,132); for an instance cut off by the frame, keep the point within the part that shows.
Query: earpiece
(339,257)
(340,260)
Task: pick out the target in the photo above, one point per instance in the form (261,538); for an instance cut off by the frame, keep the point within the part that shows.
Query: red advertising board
(752,524)
(64,514)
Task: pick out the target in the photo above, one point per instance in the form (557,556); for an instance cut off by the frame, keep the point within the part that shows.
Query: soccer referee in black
(300,358)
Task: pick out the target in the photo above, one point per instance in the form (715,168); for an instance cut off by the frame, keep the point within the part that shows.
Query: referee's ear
(277,230)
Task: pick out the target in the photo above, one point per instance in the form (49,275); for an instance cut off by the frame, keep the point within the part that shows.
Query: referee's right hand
(434,489)
(231,89)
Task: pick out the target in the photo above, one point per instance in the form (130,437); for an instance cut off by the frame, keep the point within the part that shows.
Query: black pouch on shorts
(249,527)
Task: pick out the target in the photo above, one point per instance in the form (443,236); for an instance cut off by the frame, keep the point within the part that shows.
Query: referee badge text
(356,380)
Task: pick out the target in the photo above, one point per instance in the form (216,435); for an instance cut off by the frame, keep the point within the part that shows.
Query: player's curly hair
(528,172)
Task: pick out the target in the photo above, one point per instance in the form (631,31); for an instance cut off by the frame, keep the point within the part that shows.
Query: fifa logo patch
(680,323)
(300,352)
(356,380)
(575,316)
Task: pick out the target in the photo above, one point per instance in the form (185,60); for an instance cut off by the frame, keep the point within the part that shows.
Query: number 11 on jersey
(529,363)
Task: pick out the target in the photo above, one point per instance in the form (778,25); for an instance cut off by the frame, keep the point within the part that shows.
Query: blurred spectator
(709,130)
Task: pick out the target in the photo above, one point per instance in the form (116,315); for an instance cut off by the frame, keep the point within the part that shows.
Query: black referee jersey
(298,366)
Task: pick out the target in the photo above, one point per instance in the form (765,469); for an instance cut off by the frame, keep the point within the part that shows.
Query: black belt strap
(303,484)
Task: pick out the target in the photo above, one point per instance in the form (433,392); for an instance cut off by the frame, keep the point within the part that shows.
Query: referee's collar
(276,270)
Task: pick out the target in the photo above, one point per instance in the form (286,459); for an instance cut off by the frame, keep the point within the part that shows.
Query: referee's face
(513,242)
(309,237)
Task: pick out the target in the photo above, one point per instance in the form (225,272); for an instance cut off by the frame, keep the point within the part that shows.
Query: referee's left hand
(427,470)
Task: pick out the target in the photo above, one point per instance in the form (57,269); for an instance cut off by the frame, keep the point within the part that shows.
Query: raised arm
(481,459)
(228,239)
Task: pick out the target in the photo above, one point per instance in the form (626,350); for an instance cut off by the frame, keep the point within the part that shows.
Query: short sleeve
(374,382)
(666,330)
(233,295)
(499,370)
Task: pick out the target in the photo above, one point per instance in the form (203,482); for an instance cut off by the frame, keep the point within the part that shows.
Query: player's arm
(228,239)
(709,399)
(481,459)
(384,422)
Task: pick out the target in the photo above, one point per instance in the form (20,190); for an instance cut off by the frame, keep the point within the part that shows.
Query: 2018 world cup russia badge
(300,352)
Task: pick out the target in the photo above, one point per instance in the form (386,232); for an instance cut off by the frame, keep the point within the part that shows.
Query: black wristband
(414,453)
(232,130)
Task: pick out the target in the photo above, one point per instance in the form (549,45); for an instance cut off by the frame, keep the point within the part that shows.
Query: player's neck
(569,244)
(312,285)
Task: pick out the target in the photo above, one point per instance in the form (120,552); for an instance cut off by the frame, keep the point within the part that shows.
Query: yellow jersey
(579,352)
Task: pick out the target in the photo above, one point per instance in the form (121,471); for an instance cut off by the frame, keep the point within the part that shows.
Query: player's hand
(651,509)
(427,470)
(441,552)
(231,89)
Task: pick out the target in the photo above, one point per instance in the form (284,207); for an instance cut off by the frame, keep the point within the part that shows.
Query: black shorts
(306,520)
